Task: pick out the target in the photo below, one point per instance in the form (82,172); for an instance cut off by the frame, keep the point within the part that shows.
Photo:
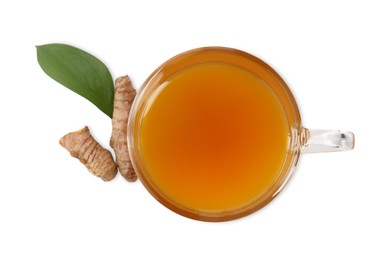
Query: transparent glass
(301,140)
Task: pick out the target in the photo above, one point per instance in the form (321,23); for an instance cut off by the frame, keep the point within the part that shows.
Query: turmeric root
(84,147)
(123,97)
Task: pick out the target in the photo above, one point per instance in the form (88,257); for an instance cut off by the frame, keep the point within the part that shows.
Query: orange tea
(213,137)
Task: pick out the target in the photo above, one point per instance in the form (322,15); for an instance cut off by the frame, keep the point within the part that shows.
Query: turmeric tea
(214,137)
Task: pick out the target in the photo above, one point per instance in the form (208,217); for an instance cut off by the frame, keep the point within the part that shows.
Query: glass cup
(300,140)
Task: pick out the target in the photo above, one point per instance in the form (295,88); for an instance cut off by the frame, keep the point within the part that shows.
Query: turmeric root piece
(84,147)
(123,98)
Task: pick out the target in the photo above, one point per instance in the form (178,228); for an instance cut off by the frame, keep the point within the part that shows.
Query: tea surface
(214,137)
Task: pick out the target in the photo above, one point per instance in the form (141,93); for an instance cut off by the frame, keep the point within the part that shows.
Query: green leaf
(80,72)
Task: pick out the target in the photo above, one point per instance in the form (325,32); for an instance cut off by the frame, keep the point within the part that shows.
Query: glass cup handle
(320,141)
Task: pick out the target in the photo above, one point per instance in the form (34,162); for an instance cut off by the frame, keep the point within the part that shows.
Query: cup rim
(270,193)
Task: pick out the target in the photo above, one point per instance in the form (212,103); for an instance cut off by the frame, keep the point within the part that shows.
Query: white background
(336,57)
